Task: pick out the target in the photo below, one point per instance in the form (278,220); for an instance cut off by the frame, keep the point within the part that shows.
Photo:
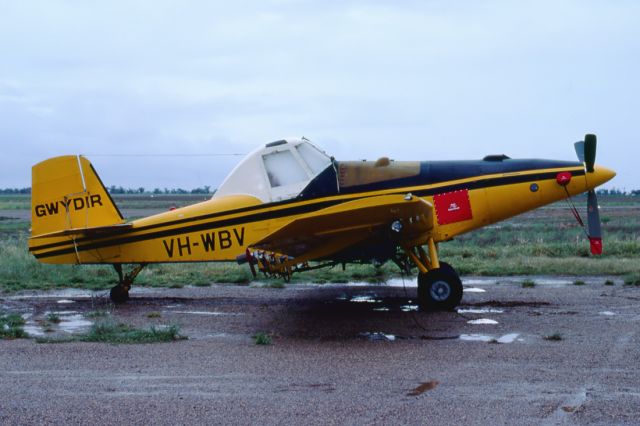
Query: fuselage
(466,195)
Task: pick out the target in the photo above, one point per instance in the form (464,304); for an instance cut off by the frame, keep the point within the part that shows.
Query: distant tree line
(157,191)
(15,191)
(120,190)
(615,191)
(207,190)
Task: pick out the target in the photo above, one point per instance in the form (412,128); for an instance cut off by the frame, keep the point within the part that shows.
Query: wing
(325,232)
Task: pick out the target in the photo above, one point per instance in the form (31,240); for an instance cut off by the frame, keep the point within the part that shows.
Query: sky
(164,93)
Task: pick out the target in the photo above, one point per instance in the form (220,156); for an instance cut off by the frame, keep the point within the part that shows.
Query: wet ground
(555,353)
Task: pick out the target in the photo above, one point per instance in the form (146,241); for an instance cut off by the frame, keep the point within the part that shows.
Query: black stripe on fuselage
(481,182)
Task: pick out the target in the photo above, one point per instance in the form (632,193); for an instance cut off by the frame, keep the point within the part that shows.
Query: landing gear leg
(120,292)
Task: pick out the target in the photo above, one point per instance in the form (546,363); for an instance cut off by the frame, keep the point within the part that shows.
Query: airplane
(288,203)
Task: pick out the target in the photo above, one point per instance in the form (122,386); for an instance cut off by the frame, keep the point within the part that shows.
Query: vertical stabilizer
(66,193)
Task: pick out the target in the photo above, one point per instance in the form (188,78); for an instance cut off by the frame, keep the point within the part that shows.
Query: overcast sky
(428,80)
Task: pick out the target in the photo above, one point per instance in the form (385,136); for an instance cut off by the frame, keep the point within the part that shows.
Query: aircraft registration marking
(211,241)
(77,203)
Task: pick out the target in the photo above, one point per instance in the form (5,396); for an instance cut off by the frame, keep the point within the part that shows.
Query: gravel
(327,363)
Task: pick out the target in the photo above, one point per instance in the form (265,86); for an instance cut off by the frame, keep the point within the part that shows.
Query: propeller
(586,151)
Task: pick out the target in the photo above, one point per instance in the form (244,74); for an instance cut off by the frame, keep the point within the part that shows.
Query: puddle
(473,290)
(507,338)
(73,323)
(480,311)
(212,313)
(476,337)
(479,281)
(381,309)
(607,313)
(425,386)
(64,294)
(65,301)
(553,281)
(218,335)
(68,323)
(510,303)
(482,321)
(399,282)
(412,282)
(364,299)
(162,326)
(33,330)
(378,336)
(409,308)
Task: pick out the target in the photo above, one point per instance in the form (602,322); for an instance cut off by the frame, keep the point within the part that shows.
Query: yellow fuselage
(222,228)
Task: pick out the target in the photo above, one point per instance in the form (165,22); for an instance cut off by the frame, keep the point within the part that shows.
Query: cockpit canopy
(278,171)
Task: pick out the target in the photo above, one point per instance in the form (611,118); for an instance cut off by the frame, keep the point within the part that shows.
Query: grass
(579,282)
(262,339)
(555,337)
(528,284)
(275,284)
(609,282)
(545,241)
(632,279)
(53,318)
(154,315)
(97,314)
(108,331)
(11,326)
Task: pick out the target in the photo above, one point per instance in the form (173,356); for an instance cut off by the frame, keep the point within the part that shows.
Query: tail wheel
(439,289)
(119,294)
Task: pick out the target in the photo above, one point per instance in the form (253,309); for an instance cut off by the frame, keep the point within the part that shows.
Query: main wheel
(119,294)
(439,289)
(444,266)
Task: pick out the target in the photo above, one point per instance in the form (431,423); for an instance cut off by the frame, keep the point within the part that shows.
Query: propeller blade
(579,146)
(593,221)
(590,151)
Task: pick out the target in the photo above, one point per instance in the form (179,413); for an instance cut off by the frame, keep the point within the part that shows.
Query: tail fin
(66,195)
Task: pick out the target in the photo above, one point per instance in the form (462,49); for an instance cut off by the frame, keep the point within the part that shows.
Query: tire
(118,294)
(444,266)
(439,289)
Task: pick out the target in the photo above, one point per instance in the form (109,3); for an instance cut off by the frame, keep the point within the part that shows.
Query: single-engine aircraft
(288,204)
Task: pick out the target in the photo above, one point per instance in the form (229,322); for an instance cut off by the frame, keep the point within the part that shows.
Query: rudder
(67,193)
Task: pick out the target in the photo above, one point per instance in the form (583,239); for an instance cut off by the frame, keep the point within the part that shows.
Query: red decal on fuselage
(452,207)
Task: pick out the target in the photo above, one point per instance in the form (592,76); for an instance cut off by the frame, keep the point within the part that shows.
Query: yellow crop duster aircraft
(288,203)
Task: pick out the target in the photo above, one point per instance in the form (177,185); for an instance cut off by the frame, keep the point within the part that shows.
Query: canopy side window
(283,169)
(316,160)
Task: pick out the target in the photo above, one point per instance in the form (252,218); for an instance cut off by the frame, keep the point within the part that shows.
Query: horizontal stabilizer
(87,232)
